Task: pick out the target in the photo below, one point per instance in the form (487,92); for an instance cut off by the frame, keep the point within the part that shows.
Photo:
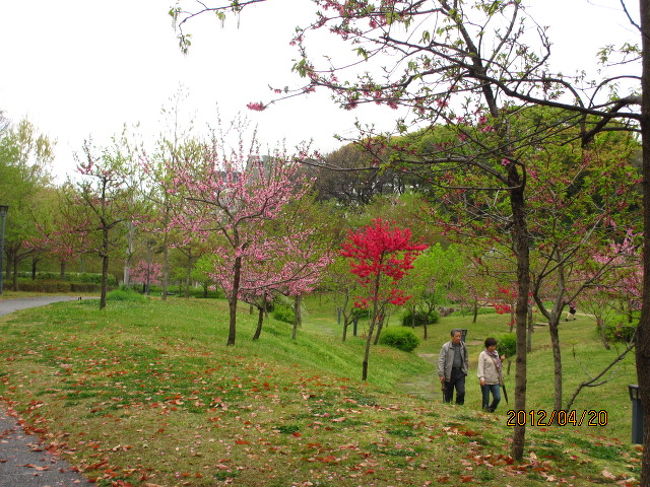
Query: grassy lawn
(148,393)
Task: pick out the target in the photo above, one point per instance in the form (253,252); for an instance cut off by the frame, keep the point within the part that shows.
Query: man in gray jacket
(452,367)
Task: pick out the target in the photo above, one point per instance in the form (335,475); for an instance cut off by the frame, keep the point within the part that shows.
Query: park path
(23,460)
(425,386)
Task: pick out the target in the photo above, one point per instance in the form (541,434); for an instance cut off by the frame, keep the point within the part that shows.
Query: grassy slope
(149,393)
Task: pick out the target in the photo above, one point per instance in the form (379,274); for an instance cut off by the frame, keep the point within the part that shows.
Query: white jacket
(487,369)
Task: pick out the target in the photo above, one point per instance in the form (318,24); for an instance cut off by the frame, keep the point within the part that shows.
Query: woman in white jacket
(489,374)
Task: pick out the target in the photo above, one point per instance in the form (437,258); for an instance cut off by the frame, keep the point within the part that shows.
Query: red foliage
(381,249)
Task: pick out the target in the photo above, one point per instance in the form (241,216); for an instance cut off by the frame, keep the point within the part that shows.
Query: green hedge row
(78,277)
(51,286)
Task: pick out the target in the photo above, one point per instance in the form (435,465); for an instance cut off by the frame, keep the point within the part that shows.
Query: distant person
(489,374)
(452,368)
(571,314)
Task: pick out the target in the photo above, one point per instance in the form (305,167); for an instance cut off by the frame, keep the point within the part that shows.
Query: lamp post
(3,216)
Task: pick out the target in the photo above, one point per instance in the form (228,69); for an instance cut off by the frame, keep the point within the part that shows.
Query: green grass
(148,392)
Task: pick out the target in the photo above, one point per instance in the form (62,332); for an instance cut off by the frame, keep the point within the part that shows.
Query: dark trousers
(496,396)
(458,382)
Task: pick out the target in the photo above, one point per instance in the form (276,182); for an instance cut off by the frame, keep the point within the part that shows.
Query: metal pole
(3,215)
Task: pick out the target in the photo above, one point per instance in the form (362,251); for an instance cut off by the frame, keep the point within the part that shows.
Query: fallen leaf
(608,475)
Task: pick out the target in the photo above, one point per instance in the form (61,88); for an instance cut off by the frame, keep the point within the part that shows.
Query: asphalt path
(24,460)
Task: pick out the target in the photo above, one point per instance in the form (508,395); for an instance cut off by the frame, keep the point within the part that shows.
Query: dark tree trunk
(600,326)
(232,302)
(260,320)
(34,264)
(475,311)
(104,285)
(188,280)
(643,330)
(371,329)
(165,276)
(554,330)
(380,326)
(521,247)
(62,271)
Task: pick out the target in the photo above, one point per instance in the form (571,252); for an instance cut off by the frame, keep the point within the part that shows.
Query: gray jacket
(446,360)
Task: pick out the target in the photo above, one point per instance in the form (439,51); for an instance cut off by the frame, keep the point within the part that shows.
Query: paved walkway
(23,462)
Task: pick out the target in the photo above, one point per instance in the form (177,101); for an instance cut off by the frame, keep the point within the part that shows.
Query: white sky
(81,67)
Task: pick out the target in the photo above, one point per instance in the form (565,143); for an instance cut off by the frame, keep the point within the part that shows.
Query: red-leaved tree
(380,255)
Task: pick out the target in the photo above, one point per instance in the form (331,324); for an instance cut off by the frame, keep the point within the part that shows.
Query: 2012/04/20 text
(541,417)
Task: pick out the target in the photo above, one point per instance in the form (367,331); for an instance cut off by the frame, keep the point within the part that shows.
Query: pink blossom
(256,106)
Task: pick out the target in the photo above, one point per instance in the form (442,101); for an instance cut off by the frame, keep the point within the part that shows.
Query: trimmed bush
(401,338)
(126,295)
(86,277)
(419,318)
(44,286)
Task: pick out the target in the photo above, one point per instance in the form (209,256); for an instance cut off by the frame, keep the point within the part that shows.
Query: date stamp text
(541,417)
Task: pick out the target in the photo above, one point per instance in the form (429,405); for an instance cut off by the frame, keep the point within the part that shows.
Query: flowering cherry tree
(380,255)
(228,200)
(146,273)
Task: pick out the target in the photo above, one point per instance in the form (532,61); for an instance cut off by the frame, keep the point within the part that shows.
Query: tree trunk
(600,326)
(475,311)
(232,302)
(104,286)
(380,326)
(260,320)
(643,330)
(188,281)
(371,329)
(34,263)
(521,247)
(165,276)
(297,322)
(554,330)
(62,271)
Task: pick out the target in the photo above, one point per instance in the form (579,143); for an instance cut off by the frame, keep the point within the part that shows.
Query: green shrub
(419,318)
(620,332)
(507,345)
(359,313)
(43,286)
(282,312)
(85,287)
(401,338)
(86,277)
(126,295)
(470,312)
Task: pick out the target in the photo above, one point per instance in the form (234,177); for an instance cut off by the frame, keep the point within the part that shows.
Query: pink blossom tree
(146,273)
(228,198)
(290,265)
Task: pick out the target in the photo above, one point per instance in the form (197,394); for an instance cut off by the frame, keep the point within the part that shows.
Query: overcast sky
(81,67)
